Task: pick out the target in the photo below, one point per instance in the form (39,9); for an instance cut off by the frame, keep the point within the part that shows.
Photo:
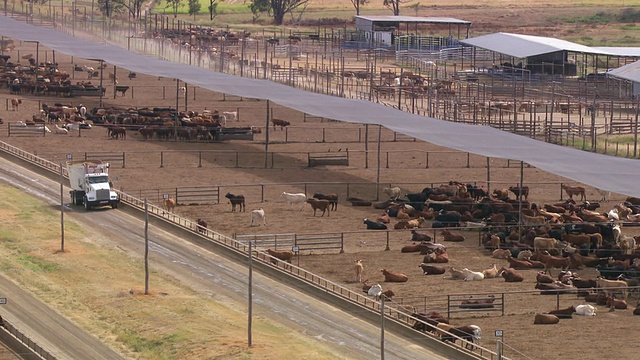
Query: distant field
(592,23)
(595,23)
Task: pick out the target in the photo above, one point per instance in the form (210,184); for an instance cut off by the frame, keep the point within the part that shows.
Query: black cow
(236,200)
(432,318)
(471,333)
(476,192)
(417,200)
(449,218)
(202,226)
(416,236)
(374,225)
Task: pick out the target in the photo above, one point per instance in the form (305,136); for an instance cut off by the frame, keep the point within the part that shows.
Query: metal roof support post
(553,103)
(594,145)
(382,296)
(520,201)
(635,129)
(175,122)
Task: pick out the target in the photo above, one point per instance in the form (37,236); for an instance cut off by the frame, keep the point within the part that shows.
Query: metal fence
(243,249)
(32,346)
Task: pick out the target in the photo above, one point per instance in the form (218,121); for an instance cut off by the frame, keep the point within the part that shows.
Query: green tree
(134,7)
(276,8)
(174,5)
(258,7)
(110,7)
(213,9)
(194,8)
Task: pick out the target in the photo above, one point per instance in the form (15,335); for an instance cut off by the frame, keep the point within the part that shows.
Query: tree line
(276,9)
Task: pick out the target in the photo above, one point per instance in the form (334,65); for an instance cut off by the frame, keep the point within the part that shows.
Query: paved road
(207,273)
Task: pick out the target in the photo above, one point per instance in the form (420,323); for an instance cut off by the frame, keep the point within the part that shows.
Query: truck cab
(90,184)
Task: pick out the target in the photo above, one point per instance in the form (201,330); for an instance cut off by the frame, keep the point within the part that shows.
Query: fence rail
(15,129)
(456,304)
(391,159)
(36,351)
(299,242)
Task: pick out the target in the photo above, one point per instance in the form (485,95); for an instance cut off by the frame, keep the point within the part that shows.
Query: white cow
(294,198)
(613,215)
(616,232)
(627,243)
(375,290)
(393,192)
(525,255)
(230,115)
(472,275)
(604,195)
(61,130)
(257,217)
(586,310)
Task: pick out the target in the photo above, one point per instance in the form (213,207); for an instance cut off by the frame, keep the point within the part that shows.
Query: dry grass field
(523,339)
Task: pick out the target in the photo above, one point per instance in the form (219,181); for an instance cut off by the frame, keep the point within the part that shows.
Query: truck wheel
(114,205)
(86,203)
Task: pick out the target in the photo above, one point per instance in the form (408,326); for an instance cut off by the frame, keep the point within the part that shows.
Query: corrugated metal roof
(415,19)
(523,46)
(629,72)
(609,173)
(620,51)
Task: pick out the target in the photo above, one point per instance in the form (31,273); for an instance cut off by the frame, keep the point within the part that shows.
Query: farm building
(629,72)
(409,32)
(528,55)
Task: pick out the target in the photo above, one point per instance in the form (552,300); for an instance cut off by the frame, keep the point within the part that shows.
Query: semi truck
(89,181)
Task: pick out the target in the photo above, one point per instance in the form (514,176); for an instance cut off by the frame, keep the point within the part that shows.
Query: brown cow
(201,226)
(279,122)
(520,192)
(574,190)
(449,236)
(546,319)
(542,277)
(501,194)
(15,103)
(552,261)
(359,268)
(563,313)
(169,204)
(323,205)
(393,277)
(283,255)
(432,269)
(577,240)
(519,264)
(616,303)
(483,303)
(510,275)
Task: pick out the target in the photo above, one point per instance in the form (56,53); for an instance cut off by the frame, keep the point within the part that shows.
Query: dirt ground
(142,173)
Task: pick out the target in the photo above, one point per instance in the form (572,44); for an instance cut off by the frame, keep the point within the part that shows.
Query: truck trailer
(89,181)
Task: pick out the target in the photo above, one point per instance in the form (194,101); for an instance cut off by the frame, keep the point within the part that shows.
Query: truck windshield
(98,179)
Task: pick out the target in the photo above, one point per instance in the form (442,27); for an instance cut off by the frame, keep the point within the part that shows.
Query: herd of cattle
(44,78)
(566,235)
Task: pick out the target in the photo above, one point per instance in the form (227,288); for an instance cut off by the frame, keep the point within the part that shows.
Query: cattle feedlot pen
(401,320)
(561,161)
